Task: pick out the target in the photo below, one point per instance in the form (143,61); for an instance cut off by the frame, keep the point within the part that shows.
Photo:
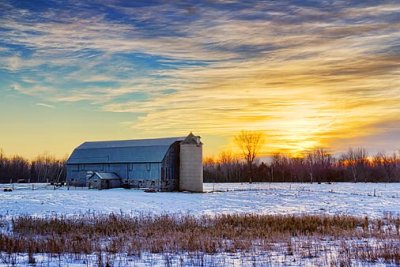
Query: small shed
(103,180)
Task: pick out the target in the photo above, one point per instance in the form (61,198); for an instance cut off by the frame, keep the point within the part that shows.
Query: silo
(191,164)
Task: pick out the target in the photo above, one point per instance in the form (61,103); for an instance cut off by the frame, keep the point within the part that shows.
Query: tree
(356,160)
(279,167)
(387,164)
(319,162)
(229,165)
(250,143)
(45,168)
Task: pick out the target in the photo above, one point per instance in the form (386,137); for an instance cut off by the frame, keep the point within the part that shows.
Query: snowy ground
(359,199)
(373,200)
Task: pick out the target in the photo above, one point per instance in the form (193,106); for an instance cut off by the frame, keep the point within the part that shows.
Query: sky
(305,73)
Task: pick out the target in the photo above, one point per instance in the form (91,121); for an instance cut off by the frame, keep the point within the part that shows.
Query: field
(373,200)
(230,225)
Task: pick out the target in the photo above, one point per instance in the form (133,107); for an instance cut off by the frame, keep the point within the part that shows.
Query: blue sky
(306,73)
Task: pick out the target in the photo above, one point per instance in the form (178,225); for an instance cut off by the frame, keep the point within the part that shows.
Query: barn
(163,164)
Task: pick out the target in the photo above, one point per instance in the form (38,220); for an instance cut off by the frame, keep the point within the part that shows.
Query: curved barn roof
(139,151)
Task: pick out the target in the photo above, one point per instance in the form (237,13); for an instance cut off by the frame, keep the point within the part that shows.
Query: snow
(373,200)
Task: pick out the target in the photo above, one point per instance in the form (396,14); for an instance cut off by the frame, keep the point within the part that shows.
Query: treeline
(316,166)
(44,168)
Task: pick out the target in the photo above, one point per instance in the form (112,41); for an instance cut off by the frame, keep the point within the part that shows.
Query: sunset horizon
(306,74)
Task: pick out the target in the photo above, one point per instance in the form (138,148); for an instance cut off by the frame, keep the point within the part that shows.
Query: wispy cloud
(45,105)
(307,75)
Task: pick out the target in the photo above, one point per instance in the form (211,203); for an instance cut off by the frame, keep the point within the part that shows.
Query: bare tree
(1,161)
(250,143)
(387,164)
(318,165)
(279,167)
(227,161)
(47,168)
(295,168)
(318,162)
(356,160)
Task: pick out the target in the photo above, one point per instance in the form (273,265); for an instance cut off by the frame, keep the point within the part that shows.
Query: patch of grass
(302,235)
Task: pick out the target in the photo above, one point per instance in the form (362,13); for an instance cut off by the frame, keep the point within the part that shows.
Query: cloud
(45,105)
(384,138)
(13,63)
(307,75)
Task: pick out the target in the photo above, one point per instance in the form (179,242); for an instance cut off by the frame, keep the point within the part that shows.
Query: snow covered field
(373,200)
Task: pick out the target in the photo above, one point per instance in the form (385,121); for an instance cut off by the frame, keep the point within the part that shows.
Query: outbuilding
(103,180)
(164,164)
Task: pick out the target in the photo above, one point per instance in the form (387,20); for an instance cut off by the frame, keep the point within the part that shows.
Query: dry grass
(303,235)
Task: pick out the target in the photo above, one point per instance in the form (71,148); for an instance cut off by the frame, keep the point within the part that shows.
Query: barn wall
(144,175)
(170,169)
(135,174)
(121,169)
(144,171)
(76,176)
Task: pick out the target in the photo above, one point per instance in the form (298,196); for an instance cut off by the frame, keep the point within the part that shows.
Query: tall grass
(304,235)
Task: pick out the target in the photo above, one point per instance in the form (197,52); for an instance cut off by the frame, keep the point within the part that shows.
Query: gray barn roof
(138,151)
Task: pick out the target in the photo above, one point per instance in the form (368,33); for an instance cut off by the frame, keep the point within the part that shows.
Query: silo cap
(192,139)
